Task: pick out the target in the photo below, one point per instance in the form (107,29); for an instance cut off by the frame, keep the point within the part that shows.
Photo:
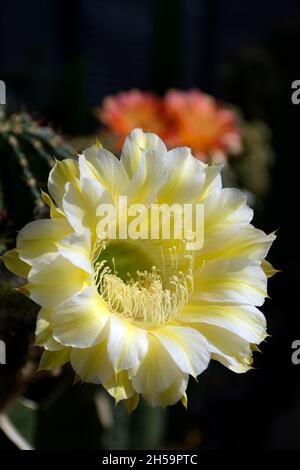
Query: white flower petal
(244,320)
(135,145)
(224,208)
(92,364)
(76,248)
(185,178)
(43,332)
(236,280)
(12,261)
(146,182)
(127,344)
(132,402)
(53,280)
(156,372)
(55,212)
(101,164)
(236,241)
(80,204)
(39,237)
(120,387)
(170,396)
(62,172)
(187,347)
(229,349)
(212,183)
(80,321)
(51,360)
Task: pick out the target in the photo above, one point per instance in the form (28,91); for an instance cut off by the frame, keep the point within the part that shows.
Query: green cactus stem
(27,153)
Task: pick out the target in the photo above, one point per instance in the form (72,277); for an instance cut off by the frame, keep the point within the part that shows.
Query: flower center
(148,295)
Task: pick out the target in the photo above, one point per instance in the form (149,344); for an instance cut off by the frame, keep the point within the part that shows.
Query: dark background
(60,58)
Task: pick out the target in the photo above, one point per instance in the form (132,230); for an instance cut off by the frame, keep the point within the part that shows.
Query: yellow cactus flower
(140,316)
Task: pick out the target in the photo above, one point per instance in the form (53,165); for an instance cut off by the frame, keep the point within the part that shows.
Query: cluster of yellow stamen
(148,298)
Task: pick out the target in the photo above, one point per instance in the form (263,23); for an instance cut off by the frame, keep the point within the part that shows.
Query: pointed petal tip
(98,144)
(184,400)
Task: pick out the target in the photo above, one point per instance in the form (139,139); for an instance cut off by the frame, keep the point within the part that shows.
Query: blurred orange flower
(127,110)
(182,118)
(201,123)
